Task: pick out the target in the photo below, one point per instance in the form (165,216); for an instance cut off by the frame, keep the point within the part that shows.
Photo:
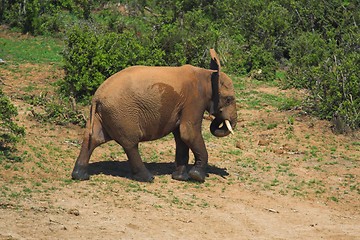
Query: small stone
(263,142)
(74,211)
(279,151)
(239,145)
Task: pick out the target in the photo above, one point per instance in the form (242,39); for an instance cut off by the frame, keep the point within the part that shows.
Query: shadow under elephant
(122,169)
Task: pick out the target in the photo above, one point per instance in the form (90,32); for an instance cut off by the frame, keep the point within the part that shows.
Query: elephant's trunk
(224,130)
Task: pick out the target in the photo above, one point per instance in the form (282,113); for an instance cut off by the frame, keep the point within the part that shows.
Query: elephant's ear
(215,62)
(214,65)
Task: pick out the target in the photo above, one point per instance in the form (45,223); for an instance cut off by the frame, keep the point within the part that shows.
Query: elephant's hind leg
(139,171)
(90,142)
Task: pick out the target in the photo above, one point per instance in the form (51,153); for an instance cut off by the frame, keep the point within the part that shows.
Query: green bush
(188,40)
(262,61)
(92,54)
(10,132)
(329,70)
(307,51)
(43,17)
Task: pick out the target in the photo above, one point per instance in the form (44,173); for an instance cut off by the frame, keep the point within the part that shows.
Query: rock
(279,151)
(264,142)
(74,211)
(240,145)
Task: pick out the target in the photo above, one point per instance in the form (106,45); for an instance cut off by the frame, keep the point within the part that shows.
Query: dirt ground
(282,175)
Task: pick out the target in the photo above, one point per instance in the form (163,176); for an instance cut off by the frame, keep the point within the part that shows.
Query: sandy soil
(282,175)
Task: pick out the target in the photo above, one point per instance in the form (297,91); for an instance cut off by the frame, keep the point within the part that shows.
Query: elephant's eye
(229,100)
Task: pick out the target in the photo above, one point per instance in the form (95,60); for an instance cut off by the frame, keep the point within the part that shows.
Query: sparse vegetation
(10,131)
(57,111)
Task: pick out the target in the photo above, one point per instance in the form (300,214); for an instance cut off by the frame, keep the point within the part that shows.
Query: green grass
(31,50)
(254,99)
(239,83)
(271,126)
(280,74)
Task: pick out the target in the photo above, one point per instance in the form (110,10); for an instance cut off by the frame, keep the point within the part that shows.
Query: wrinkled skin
(146,103)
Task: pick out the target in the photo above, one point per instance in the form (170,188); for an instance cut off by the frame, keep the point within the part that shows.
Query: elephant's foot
(197,173)
(143,176)
(180,174)
(80,173)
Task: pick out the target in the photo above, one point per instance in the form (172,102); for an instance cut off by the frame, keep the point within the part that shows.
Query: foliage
(92,54)
(328,68)
(317,42)
(187,40)
(10,132)
(43,17)
(55,110)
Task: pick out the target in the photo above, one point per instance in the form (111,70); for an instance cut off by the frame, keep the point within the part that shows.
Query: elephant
(144,103)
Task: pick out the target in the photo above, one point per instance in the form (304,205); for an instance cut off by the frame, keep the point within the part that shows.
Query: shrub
(186,41)
(258,58)
(43,17)
(307,51)
(232,48)
(329,69)
(10,132)
(91,55)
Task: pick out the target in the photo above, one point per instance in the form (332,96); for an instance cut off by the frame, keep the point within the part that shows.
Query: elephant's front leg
(181,158)
(198,171)
(191,134)
(139,171)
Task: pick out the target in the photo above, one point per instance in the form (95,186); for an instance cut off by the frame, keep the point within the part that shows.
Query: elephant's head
(223,103)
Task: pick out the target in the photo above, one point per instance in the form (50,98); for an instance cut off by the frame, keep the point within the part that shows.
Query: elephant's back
(139,78)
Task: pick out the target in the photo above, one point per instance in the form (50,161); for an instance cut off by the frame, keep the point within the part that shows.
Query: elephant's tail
(92,114)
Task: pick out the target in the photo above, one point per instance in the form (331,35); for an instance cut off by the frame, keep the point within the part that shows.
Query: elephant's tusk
(228,125)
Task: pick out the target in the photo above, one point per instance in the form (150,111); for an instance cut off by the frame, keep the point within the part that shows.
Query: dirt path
(234,214)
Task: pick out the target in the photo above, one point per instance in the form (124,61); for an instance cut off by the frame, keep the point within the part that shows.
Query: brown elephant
(143,103)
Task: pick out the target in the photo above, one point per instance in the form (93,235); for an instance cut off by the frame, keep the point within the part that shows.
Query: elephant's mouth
(222,128)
